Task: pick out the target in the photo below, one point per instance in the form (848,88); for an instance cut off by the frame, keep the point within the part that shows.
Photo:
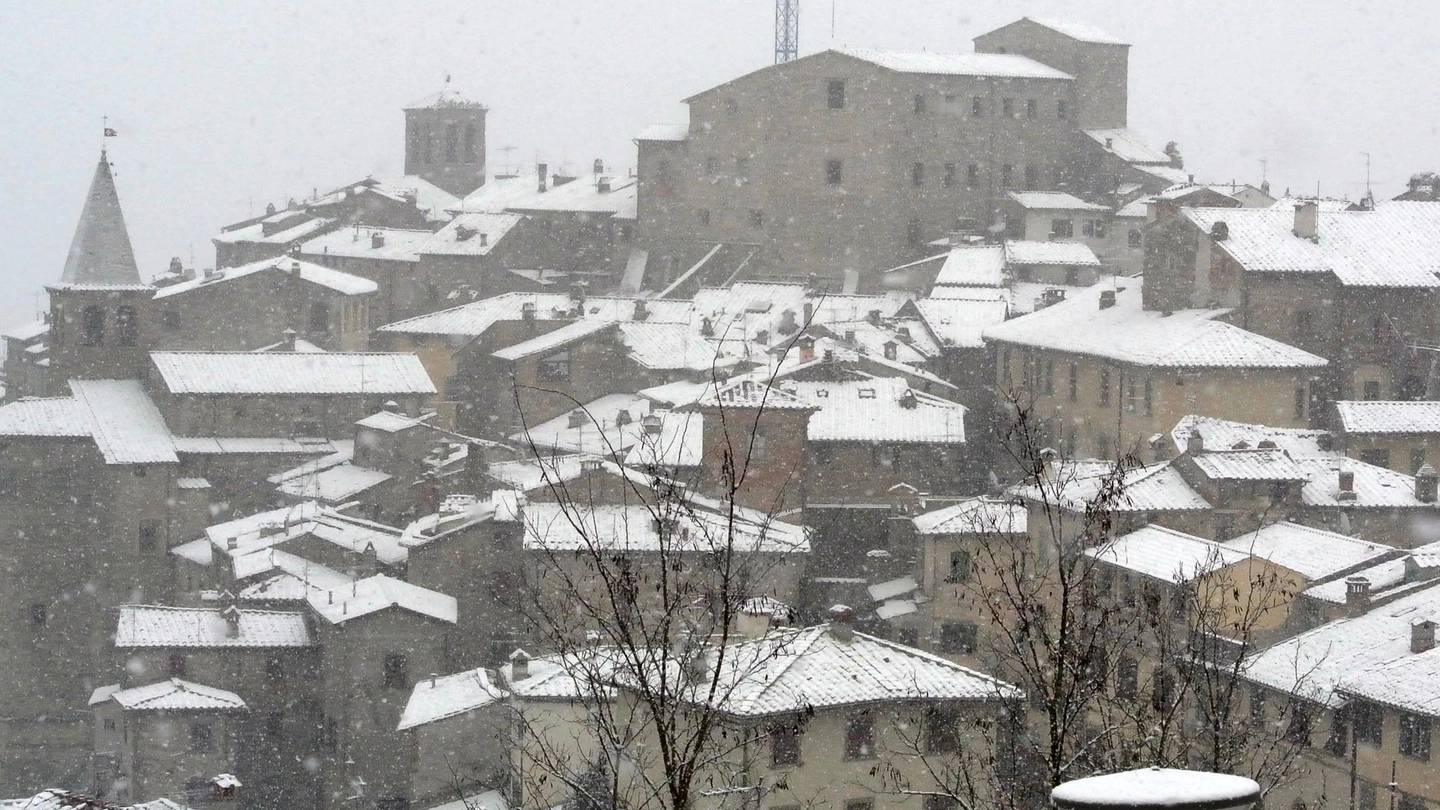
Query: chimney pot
(377,239)
(842,620)
(1107,299)
(641,313)
(1307,220)
(599,167)
(542,171)
(1357,593)
(1422,635)
(1426,480)
(1347,484)
(1220,231)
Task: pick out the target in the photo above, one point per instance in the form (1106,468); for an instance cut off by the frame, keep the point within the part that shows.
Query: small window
(834,172)
(274,725)
(39,614)
(950,177)
(959,567)
(915,235)
(1062,109)
(977,107)
(712,166)
(1007,175)
(1007,107)
(940,802)
(1127,679)
(1104,385)
(860,736)
(958,637)
(148,536)
(275,669)
(1149,400)
(127,330)
(1372,390)
(859,804)
(395,677)
(1032,109)
(757,218)
(1415,737)
(1062,228)
(835,94)
(170,319)
(201,737)
(785,743)
(176,665)
(919,105)
(1074,380)
(92,326)
(555,368)
(941,735)
(1032,178)
(917,175)
(742,166)
(972,175)
(1302,399)
(1369,720)
(109,724)
(452,142)
(1378,456)
(1135,239)
(1302,719)
(319,317)
(1162,690)
(467,149)
(1304,326)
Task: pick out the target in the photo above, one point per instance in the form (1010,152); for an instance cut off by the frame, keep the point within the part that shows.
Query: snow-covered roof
(174,695)
(359,242)
(601,430)
(1000,65)
(673,346)
(555,527)
(581,195)
(1125,332)
(1313,553)
(581,674)
(29,331)
(1225,434)
(877,410)
(1374,486)
(292,373)
(1359,416)
(1125,144)
(1166,554)
(1079,31)
(1249,465)
(1169,174)
(335,485)
(664,132)
(959,322)
(1156,787)
(57,799)
(812,669)
(473,234)
(446,97)
(57,416)
(474,319)
(486,800)
(1393,245)
(435,699)
(100,252)
(341,282)
(554,340)
(253,445)
(974,516)
(390,422)
(1053,201)
(747,392)
(164,626)
(677,443)
(1159,487)
(304,226)
(365,596)
(127,426)
(973,266)
(1383,577)
(1070,254)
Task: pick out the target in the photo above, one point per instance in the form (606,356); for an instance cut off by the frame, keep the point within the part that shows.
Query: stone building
(445,141)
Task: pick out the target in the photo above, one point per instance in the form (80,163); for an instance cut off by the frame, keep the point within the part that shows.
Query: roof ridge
(815,634)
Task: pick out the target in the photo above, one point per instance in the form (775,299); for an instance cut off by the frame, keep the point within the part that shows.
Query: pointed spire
(101,252)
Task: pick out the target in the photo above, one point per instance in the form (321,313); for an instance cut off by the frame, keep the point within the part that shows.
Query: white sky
(222,107)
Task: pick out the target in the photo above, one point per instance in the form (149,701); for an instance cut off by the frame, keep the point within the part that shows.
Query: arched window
(452,142)
(468,149)
(126,328)
(92,326)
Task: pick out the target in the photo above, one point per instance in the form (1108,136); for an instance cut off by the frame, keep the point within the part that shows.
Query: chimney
(484,239)
(269,209)
(891,350)
(288,338)
(1220,231)
(787,323)
(806,347)
(1194,443)
(1347,486)
(577,418)
(294,267)
(641,313)
(519,665)
(377,239)
(707,327)
(1307,220)
(650,424)
(599,167)
(907,400)
(842,626)
(1357,594)
(1425,483)
(809,312)
(1422,635)
(1324,441)
(849,335)
(873,316)
(542,170)
(1107,299)
(1109,143)
(232,621)
(603,184)
(577,293)
(527,311)
(829,355)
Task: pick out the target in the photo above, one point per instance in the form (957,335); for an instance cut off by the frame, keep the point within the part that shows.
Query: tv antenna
(787,30)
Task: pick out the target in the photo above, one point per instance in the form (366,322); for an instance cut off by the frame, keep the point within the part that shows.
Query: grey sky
(224,107)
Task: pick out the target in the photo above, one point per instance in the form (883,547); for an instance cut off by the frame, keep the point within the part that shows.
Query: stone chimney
(1357,594)
(650,424)
(1347,486)
(1220,231)
(842,623)
(288,338)
(577,418)
(1307,220)
(1325,441)
(788,326)
(641,312)
(873,317)
(1425,483)
(805,347)
(232,621)
(1422,635)
(1107,299)
(599,166)
(527,311)
(377,239)
(519,665)
(542,170)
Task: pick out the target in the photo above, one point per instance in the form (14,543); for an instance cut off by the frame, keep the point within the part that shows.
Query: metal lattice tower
(787,30)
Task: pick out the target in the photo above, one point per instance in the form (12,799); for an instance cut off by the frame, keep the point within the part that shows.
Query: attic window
(867,393)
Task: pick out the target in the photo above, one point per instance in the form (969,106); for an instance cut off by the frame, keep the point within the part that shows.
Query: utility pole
(787,30)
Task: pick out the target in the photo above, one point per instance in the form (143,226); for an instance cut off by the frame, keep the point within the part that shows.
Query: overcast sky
(222,108)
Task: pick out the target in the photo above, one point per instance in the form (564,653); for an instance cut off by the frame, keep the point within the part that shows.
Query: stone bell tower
(445,141)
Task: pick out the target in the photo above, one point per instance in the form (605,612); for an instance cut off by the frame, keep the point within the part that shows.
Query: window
(1127,678)
(1074,380)
(1302,719)
(274,725)
(938,802)
(941,730)
(176,665)
(1062,109)
(704,216)
(200,737)
(834,172)
(1301,400)
(395,677)
(977,107)
(1149,400)
(1007,107)
(39,615)
(1162,690)
(467,149)
(170,319)
(319,317)
(1007,175)
(1032,109)
(275,669)
(662,171)
(949,178)
(452,142)
(555,368)
(959,566)
(1377,456)
(958,637)
(1135,239)
(859,736)
(1303,326)
(919,105)
(917,175)
(1372,390)
(1062,228)
(126,328)
(109,724)
(972,175)
(1104,385)
(785,743)
(92,326)
(1032,178)
(915,233)
(148,536)
(1047,378)
(1415,737)
(757,218)
(1369,720)
(835,94)
(1093,228)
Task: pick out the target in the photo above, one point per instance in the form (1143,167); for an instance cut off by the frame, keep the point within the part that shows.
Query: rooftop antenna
(787,30)
(1264,166)
(1367,173)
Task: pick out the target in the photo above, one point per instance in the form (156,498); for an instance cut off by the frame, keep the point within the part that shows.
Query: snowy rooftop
(959,322)
(305,226)
(58,416)
(1253,464)
(57,799)
(664,132)
(973,266)
(1079,31)
(1151,488)
(1053,201)
(162,626)
(127,426)
(878,410)
(1392,246)
(390,422)
(365,596)
(173,695)
(1223,433)
(554,340)
(599,428)
(1127,333)
(1358,416)
(319,275)
(974,516)
(581,195)
(1157,787)
(555,527)
(1165,554)
(1374,487)
(677,443)
(1070,254)
(435,699)
(956,64)
(358,242)
(290,373)
(673,346)
(1125,144)
(473,234)
(1313,553)
(29,331)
